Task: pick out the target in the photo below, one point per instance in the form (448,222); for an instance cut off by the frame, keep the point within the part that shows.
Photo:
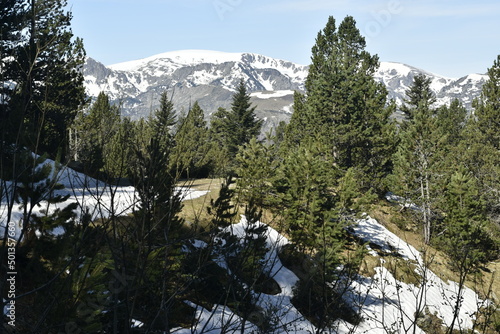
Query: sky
(451,38)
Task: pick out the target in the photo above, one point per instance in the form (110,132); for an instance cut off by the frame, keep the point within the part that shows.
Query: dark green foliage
(418,160)
(242,121)
(307,199)
(219,136)
(299,126)
(419,95)
(94,134)
(190,154)
(465,237)
(231,129)
(345,107)
(483,141)
(154,181)
(256,169)
(12,14)
(162,122)
(49,81)
(222,209)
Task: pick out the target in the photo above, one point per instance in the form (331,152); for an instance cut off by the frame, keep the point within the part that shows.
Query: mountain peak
(180,57)
(211,77)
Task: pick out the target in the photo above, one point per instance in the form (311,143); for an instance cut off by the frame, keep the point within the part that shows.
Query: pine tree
(190,154)
(49,78)
(419,95)
(256,169)
(163,121)
(344,105)
(416,162)
(219,137)
(307,200)
(482,142)
(465,238)
(118,152)
(299,126)
(94,133)
(241,121)
(153,178)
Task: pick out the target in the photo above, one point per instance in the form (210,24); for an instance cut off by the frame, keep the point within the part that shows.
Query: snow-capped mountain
(210,77)
(398,78)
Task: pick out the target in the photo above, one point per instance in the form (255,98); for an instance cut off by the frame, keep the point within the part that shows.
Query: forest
(435,175)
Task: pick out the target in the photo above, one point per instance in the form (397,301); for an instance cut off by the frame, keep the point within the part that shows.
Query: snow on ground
(94,198)
(391,303)
(387,305)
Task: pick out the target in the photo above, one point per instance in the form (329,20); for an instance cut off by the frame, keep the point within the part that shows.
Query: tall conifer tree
(242,122)
(483,140)
(344,104)
(190,154)
(49,76)
(416,163)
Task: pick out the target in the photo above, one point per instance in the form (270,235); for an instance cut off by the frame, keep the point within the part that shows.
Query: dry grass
(485,282)
(194,211)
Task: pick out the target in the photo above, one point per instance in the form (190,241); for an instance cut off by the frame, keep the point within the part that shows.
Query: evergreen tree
(219,137)
(416,162)
(256,169)
(190,154)
(242,125)
(299,126)
(12,14)
(482,142)
(307,199)
(345,106)
(94,133)
(465,238)
(118,152)
(153,178)
(419,95)
(48,75)
(163,121)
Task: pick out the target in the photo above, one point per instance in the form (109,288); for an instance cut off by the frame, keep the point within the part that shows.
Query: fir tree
(465,238)
(219,137)
(256,169)
(299,126)
(94,132)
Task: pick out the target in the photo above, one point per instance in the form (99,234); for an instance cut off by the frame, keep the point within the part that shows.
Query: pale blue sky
(447,37)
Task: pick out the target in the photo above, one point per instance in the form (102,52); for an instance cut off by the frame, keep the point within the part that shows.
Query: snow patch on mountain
(177,59)
(211,78)
(272,94)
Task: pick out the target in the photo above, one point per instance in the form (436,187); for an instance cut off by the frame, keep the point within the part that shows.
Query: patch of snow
(271,94)
(288,109)
(182,57)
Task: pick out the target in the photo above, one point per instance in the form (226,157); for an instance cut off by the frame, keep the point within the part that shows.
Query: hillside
(386,297)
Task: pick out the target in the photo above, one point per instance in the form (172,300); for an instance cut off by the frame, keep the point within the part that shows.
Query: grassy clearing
(194,211)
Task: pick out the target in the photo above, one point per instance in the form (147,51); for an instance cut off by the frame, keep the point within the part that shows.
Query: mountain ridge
(211,77)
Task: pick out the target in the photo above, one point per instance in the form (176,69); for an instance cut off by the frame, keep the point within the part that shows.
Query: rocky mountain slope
(211,77)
